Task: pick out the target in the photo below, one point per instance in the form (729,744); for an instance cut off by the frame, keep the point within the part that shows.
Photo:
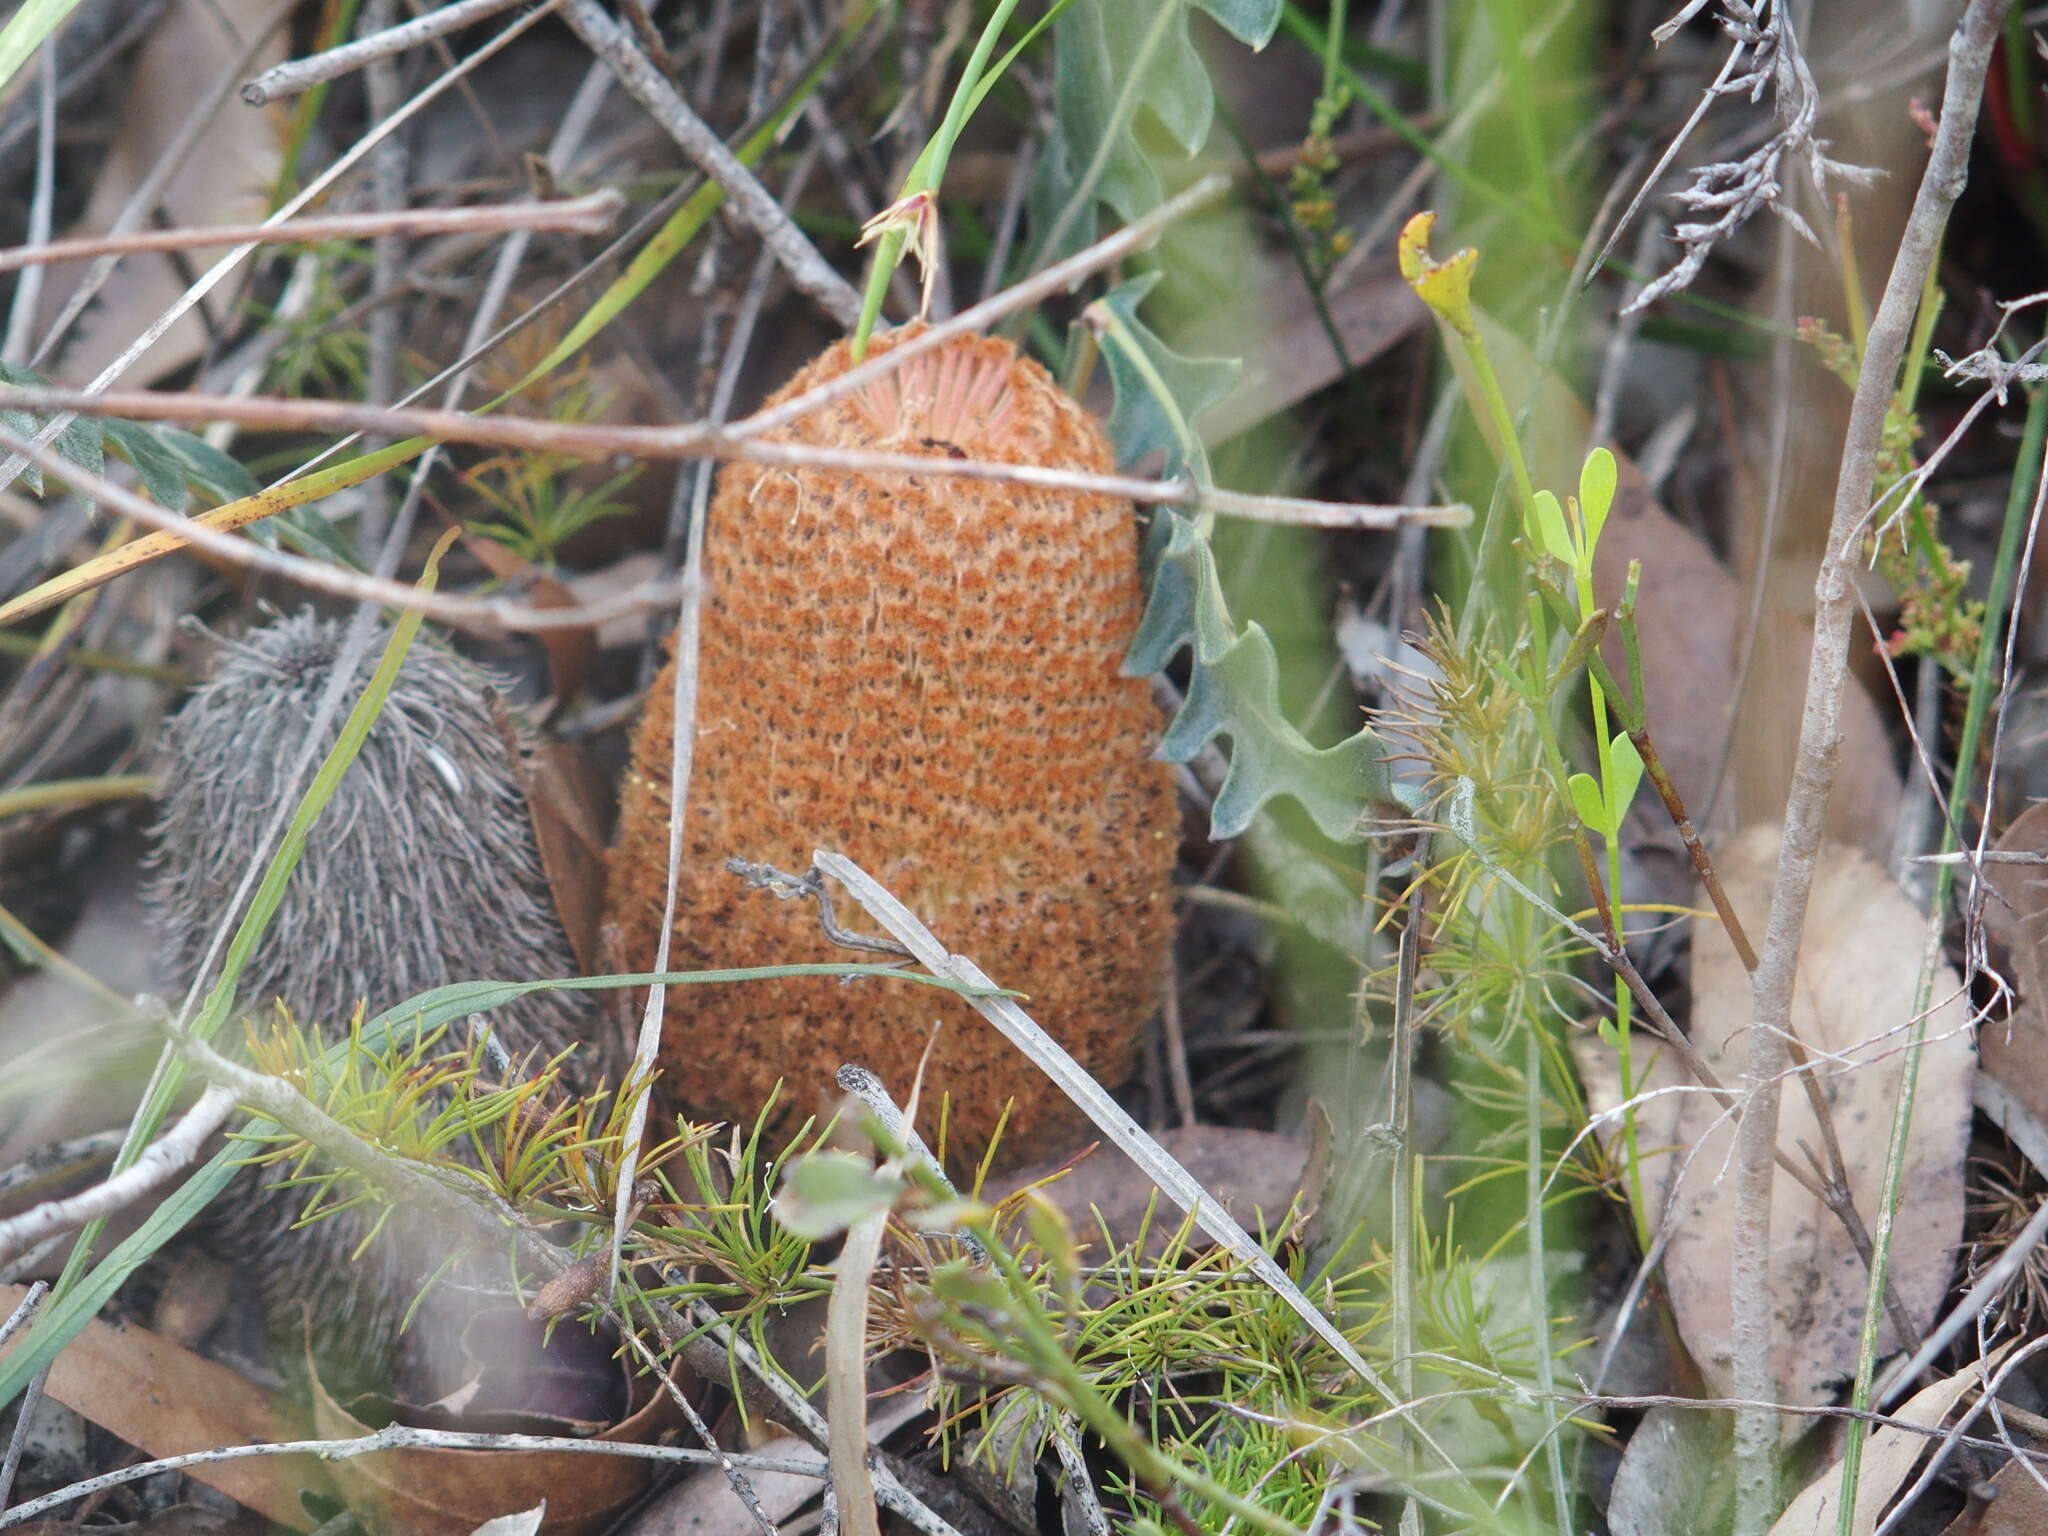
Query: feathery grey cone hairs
(422,870)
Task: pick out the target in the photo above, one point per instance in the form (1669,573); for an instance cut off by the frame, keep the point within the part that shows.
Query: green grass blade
(444,1005)
(33,23)
(64,1317)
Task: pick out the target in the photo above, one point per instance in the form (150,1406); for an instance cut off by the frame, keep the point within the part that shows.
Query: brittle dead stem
(591,215)
(1813,776)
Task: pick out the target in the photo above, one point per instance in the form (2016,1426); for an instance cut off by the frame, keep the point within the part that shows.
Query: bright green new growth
(1567,536)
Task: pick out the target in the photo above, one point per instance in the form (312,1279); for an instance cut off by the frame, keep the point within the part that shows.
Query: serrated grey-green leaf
(1111,60)
(214,472)
(1234,691)
(1238,696)
(1138,423)
(82,444)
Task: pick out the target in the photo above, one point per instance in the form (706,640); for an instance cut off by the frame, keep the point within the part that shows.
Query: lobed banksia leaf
(1233,691)
(921,673)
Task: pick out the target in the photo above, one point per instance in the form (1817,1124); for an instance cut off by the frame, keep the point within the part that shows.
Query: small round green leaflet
(1548,529)
(1624,775)
(1597,479)
(827,1192)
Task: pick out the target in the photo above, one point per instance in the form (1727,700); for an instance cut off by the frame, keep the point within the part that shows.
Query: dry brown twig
(17,461)
(752,202)
(700,439)
(591,215)
(1813,777)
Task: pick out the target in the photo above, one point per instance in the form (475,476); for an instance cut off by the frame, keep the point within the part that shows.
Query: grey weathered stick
(296,75)
(1160,1166)
(455,1203)
(1813,774)
(491,615)
(25,1412)
(683,740)
(175,1149)
(403,1437)
(809,271)
(148,194)
(591,215)
(24,1311)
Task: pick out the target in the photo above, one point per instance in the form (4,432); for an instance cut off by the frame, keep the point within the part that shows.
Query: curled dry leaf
(167,1401)
(2021,1508)
(1858,975)
(224,179)
(2015,1049)
(570,652)
(451,1493)
(1889,1457)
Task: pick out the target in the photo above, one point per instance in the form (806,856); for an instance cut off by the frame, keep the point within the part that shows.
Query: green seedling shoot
(1570,534)
(1567,533)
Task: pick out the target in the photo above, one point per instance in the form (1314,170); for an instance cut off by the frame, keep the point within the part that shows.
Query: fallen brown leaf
(1673,1476)
(566,799)
(167,1401)
(1858,973)
(569,651)
(2014,1050)
(225,179)
(1252,1174)
(451,1493)
(1889,1457)
(1661,1085)
(2021,1508)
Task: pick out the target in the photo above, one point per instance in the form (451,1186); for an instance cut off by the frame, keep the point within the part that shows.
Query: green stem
(1537,221)
(1623,1004)
(928,171)
(53,793)
(1333,48)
